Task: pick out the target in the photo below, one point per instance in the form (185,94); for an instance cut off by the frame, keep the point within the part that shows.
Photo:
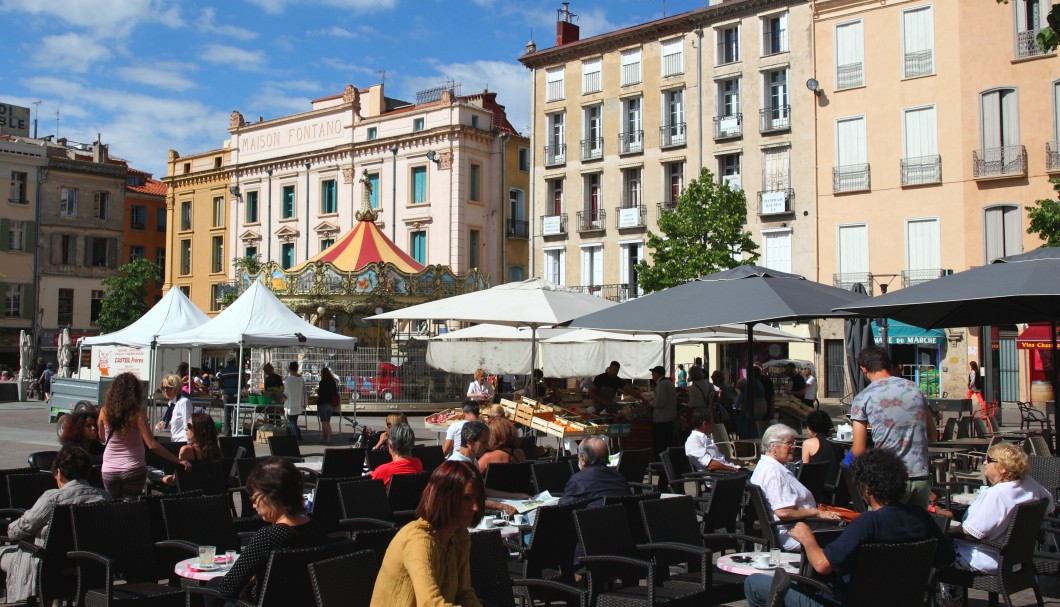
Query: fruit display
(444,417)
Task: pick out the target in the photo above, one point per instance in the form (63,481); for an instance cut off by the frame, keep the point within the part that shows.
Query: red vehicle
(386,385)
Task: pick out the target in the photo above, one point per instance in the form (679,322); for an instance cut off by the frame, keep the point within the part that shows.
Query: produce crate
(619,429)
(569,430)
(540,423)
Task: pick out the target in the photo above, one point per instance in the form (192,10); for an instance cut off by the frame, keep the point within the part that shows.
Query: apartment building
(932,142)
(447,176)
(145,224)
(622,120)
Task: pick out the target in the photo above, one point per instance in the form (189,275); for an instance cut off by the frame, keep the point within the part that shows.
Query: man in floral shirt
(900,419)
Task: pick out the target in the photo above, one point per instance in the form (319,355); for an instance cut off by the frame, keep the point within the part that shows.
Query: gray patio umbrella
(857,334)
(1015,289)
(746,295)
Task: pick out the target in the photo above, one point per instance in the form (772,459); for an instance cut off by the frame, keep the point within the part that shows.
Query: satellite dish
(813,85)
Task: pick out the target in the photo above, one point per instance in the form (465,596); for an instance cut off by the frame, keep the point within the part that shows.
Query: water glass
(230,556)
(207,554)
(774,557)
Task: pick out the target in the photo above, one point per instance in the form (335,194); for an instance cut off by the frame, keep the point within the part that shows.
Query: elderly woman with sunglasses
(179,410)
(787,497)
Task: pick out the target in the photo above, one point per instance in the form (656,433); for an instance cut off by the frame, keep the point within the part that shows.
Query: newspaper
(523,506)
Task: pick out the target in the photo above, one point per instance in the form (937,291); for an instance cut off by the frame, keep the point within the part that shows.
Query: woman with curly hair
(80,430)
(125,432)
(202,440)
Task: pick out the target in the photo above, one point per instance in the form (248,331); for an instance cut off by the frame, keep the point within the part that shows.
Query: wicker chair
(814,476)
(631,504)
(332,579)
(510,478)
(327,507)
(56,579)
(489,575)
(378,457)
(230,446)
(404,494)
(679,472)
(365,506)
(430,456)
(1046,470)
(5,497)
(343,461)
(768,531)
(1030,414)
(41,460)
(550,476)
(25,489)
(285,445)
(633,464)
(376,540)
(550,552)
(195,521)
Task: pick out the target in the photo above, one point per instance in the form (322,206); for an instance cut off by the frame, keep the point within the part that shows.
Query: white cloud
(73,52)
(240,59)
(345,68)
(163,75)
(208,24)
(272,101)
(358,6)
(114,19)
(303,85)
(511,82)
(334,31)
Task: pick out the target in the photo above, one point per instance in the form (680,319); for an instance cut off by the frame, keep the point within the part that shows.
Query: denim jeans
(756,588)
(292,426)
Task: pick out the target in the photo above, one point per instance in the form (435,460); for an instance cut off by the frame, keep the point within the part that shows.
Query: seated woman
(202,444)
(275,487)
(428,561)
(71,469)
(400,440)
(988,517)
(503,445)
(82,431)
(391,420)
(817,448)
(786,496)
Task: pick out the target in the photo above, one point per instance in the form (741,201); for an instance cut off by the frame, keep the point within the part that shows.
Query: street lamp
(379,327)
(321,310)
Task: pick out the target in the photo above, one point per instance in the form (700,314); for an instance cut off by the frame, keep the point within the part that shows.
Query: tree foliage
(700,236)
(1045,218)
(1048,37)
(125,296)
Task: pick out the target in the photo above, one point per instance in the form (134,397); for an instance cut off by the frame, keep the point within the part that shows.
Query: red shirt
(401,466)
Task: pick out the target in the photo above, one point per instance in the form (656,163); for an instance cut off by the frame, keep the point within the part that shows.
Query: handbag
(336,402)
(844,513)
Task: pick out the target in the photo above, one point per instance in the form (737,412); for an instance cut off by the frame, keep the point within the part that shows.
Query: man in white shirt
(700,447)
(664,410)
(453,441)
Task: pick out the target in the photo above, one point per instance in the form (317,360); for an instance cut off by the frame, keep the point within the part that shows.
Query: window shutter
(57,249)
(5,234)
(13,196)
(112,252)
(29,302)
(29,237)
(991,103)
(71,258)
(563,267)
(3,298)
(598,265)
(1010,118)
(88,251)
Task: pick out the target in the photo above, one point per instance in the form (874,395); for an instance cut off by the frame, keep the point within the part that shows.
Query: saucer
(766,568)
(198,567)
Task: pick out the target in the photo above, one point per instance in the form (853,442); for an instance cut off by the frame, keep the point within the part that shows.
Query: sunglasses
(991,460)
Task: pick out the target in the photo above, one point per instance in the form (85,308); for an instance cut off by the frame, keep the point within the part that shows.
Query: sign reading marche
(551,225)
(14,120)
(901,334)
(774,203)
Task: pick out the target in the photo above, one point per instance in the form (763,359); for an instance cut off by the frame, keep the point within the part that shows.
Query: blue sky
(155,75)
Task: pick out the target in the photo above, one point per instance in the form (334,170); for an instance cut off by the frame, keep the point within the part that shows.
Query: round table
(789,560)
(183,569)
(506,531)
(966,499)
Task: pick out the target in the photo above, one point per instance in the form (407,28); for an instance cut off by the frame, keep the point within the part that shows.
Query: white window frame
(909,221)
(672,57)
(592,266)
(855,55)
(783,42)
(1009,232)
(719,33)
(592,75)
(554,84)
(68,202)
(838,248)
(16,238)
(13,301)
(766,261)
(927,39)
(631,68)
(624,270)
(557,273)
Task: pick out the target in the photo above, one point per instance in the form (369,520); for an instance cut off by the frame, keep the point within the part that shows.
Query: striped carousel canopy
(362,245)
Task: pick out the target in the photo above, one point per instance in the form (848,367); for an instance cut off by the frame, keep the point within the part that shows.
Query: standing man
(229,378)
(272,378)
(796,383)
(811,386)
(664,410)
(606,387)
(900,419)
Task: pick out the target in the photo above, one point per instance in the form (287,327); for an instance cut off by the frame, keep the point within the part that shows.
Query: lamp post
(379,328)
(321,310)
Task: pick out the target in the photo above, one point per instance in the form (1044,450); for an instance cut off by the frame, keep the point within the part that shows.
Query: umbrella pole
(1056,383)
(533,359)
(239,394)
(750,357)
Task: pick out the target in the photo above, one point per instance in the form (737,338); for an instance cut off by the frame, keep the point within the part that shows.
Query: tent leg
(237,426)
(1056,384)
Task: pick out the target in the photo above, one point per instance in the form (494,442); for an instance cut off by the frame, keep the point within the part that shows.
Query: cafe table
(730,562)
(189,569)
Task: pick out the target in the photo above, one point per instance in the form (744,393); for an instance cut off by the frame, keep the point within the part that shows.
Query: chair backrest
(406,489)
(1016,565)
(675,462)
(287,579)
(5,497)
(633,464)
(155,460)
(949,429)
(980,427)
(814,476)
(550,476)
(208,476)
(605,531)
(511,478)
(378,457)
(964,427)
(327,509)
(55,578)
(284,445)
(671,520)
(489,569)
(120,531)
(25,489)
(631,506)
(726,503)
(230,446)
(344,461)
(553,542)
(909,562)
(332,579)
(205,520)
(430,456)
(1037,445)
(41,460)
(857,502)
(376,540)
(764,514)
(365,499)
(528,444)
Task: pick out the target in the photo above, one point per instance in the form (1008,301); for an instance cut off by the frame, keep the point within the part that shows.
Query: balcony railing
(850,178)
(672,135)
(555,154)
(1052,156)
(629,216)
(1004,161)
(554,225)
(592,221)
(518,228)
(776,202)
(774,119)
(849,279)
(665,207)
(850,75)
(921,170)
(1027,44)
(593,149)
(727,127)
(617,293)
(631,142)
(915,277)
(919,63)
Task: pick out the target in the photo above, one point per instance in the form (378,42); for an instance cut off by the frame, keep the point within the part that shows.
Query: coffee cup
(487,523)
(760,560)
(519,519)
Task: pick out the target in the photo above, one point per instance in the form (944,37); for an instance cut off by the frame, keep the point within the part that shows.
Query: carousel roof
(362,245)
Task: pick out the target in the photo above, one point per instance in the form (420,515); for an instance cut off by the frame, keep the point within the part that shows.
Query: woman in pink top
(126,431)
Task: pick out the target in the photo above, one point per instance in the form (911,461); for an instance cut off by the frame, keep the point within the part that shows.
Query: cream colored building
(933,140)
(622,121)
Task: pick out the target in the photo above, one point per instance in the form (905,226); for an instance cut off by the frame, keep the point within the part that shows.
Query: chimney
(99,150)
(566,31)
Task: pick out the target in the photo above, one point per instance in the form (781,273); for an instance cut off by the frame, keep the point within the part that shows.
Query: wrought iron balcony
(1027,44)
(554,225)
(921,170)
(555,155)
(1052,156)
(593,149)
(728,127)
(617,293)
(915,277)
(518,228)
(631,142)
(592,221)
(850,75)
(850,178)
(630,216)
(772,119)
(672,135)
(1004,161)
(776,202)
(849,279)
(919,63)
(665,207)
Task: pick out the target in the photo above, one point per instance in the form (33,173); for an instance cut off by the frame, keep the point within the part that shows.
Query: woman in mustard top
(427,563)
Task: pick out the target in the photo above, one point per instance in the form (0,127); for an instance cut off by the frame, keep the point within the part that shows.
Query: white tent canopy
(172,314)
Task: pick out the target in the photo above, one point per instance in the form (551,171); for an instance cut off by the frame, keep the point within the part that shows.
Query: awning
(901,334)
(1034,337)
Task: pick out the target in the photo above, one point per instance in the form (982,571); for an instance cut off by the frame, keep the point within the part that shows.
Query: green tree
(125,296)
(1048,37)
(702,234)
(1045,218)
